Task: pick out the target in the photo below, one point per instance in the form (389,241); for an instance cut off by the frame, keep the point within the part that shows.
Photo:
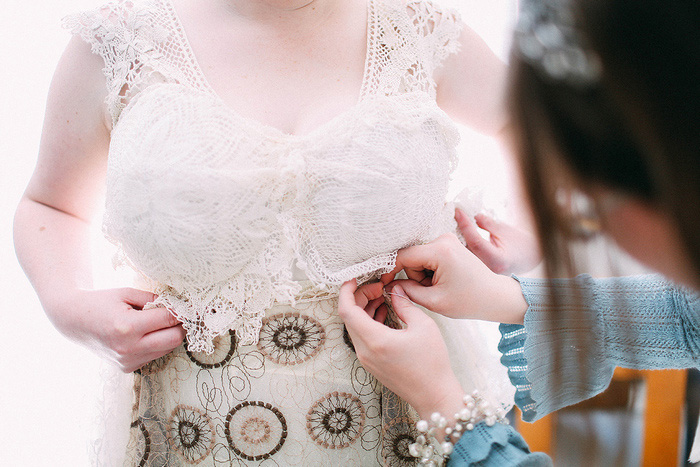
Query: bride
(239,144)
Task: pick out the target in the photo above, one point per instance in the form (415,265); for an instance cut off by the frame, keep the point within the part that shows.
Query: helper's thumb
(404,307)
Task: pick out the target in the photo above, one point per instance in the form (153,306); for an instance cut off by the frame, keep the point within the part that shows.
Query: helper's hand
(114,324)
(412,362)
(509,250)
(448,279)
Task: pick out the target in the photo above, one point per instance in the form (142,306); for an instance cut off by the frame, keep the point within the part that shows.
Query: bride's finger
(372,306)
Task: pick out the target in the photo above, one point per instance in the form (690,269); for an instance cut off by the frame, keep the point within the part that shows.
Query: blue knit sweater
(641,322)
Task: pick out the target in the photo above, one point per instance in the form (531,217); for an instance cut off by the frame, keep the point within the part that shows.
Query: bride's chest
(293,81)
(192,181)
(171,138)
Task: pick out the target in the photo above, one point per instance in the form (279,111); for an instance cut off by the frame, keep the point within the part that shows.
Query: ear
(649,234)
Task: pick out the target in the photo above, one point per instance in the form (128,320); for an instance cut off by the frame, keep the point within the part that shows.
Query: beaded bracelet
(476,409)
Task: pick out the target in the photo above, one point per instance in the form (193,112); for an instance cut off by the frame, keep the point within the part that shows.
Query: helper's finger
(404,308)
(389,276)
(418,274)
(381,313)
(348,287)
(414,260)
(372,306)
(484,249)
(356,320)
(424,295)
(468,227)
(470,231)
(489,224)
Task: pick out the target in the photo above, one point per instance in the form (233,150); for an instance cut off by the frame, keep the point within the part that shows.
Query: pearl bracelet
(476,409)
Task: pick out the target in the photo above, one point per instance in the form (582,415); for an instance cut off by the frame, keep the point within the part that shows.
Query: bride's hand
(114,324)
(412,362)
(509,250)
(448,279)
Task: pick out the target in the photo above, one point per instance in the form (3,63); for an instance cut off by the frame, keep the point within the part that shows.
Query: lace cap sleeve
(440,27)
(124,35)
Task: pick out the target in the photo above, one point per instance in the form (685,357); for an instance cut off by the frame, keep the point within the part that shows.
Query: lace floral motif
(125,37)
(141,44)
(408,42)
(217,210)
(245,297)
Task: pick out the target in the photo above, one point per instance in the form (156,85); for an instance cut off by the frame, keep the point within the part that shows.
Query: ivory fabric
(223,207)
(246,233)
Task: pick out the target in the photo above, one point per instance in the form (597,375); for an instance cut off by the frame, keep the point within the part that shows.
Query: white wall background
(47,384)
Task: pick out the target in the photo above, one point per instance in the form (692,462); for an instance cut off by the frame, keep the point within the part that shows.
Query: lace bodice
(218,210)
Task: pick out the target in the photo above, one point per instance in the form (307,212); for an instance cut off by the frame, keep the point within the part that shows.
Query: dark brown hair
(635,130)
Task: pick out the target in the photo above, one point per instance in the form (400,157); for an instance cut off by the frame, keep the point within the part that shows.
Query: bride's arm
(52,224)
(471,88)
(471,85)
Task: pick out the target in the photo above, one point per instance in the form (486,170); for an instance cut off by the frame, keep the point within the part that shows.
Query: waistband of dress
(310,292)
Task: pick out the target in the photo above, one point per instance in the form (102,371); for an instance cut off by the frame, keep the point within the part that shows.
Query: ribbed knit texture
(498,445)
(641,322)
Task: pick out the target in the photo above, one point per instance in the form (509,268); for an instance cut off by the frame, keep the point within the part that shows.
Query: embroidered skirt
(298,397)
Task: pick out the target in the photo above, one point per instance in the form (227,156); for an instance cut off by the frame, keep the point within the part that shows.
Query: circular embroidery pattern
(336,421)
(398,436)
(143,441)
(290,338)
(224,348)
(191,433)
(255,430)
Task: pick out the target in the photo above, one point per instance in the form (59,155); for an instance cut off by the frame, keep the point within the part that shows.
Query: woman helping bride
(241,143)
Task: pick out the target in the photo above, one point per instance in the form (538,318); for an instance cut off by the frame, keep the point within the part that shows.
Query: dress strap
(127,35)
(408,41)
(440,28)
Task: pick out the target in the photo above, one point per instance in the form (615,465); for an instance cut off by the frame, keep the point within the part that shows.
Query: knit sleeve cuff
(512,348)
(497,445)
(545,353)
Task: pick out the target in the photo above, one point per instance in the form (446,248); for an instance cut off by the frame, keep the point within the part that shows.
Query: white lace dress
(246,233)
